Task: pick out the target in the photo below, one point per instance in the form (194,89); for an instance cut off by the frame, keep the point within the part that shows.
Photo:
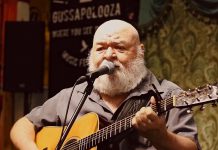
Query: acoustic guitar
(85,133)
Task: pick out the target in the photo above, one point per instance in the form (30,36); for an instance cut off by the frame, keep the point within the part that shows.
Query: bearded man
(115,96)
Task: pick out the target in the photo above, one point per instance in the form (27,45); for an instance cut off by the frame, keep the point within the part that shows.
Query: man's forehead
(115,36)
(107,36)
(116,31)
(111,38)
(109,32)
(114,24)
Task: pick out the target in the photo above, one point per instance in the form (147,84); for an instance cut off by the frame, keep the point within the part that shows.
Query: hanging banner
(72,26)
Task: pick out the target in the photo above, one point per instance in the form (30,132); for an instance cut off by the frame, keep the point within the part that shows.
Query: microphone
(107,67)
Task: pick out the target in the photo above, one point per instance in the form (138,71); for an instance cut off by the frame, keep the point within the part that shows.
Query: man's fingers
(144,117)
(148,113)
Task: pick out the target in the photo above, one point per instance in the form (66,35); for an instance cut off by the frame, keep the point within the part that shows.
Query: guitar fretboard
(185,99)
(111,130)
(106,133)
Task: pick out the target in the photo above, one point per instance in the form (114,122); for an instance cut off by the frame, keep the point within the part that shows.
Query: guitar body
(48,137)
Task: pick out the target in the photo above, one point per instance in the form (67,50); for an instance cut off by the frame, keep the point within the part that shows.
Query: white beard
(123,79)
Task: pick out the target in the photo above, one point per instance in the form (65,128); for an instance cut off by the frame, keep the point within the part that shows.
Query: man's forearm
(23,135)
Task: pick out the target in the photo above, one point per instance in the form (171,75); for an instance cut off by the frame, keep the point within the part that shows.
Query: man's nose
(110,53)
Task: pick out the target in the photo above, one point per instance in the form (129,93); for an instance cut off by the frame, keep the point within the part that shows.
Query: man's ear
(142,47)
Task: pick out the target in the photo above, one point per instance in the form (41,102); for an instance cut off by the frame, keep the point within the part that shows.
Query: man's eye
(120,48)
(100,49)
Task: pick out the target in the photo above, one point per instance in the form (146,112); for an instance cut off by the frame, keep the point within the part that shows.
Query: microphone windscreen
(109,65)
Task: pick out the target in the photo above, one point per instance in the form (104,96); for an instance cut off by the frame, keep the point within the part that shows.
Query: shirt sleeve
(47,114)
(178,120)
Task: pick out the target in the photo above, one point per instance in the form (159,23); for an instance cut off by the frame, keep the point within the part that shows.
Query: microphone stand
(87,92)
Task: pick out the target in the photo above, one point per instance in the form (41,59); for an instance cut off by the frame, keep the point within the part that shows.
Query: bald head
(118,42)
(118,27)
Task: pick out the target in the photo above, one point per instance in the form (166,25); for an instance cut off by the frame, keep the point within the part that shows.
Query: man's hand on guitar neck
(153,127)
(149,124)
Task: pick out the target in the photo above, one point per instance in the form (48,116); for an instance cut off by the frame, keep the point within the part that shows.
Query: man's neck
(113,102)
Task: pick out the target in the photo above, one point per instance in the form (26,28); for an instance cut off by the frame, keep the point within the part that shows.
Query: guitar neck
(114,129)
(186,99)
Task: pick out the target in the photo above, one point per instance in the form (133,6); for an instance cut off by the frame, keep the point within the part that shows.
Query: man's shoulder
(80,87)
(170,88)
(167,83)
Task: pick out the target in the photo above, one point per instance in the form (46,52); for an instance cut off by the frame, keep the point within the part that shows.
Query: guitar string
(99,133)
(87,140)
(96,137)
(122,123)
(164,103)
(167,101)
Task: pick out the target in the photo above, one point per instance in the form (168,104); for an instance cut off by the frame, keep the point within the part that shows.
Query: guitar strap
(133,105)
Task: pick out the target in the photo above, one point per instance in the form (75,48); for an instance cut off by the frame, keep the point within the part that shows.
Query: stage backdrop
(73,24)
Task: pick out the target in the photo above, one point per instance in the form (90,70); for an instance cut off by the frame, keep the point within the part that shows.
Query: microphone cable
(108,65)
(66,114)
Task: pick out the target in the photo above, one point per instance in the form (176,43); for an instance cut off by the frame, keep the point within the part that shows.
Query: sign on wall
(72,27)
